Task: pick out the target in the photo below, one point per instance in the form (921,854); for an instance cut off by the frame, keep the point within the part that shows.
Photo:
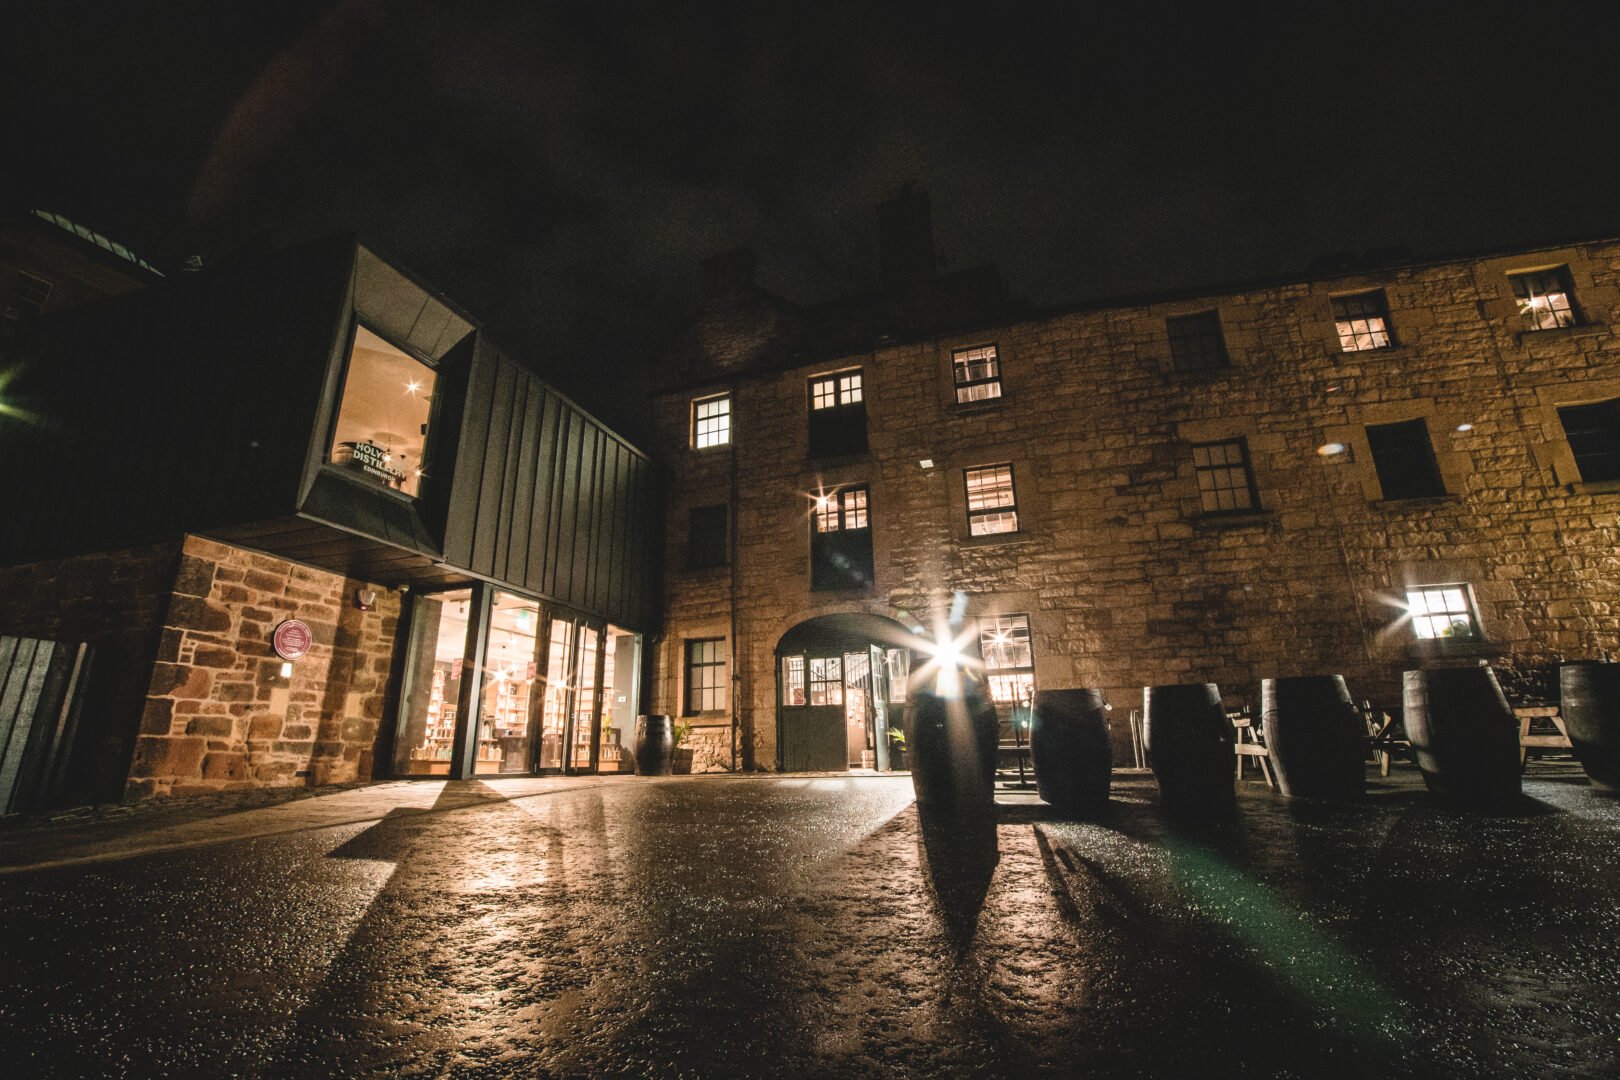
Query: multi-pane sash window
(1594,437)
(711,421)
(977,373)
(1544,299)
(1442,611)
(1225,482)
(826,680)
(992,503)
(706,537)
(841,510)
(31,291)
(705,675)
(831,391)
(1363,321)
(1196,343)
(1404,458)
(1009,663)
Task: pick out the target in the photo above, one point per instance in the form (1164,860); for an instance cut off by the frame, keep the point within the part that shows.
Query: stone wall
(219,713)
(1127,582)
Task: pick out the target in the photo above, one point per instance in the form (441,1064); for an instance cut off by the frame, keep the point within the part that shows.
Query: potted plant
(897,749)
(682,762)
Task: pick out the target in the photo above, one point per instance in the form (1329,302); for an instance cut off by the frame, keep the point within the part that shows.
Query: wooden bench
(1248,745)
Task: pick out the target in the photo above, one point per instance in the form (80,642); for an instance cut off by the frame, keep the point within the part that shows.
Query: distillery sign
(291,639)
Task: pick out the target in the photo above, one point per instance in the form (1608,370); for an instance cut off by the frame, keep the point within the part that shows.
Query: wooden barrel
(1189,744)
(1463,734)
(1589,702)
(1068,740)
(655,745)
(1316,737)
(951,748)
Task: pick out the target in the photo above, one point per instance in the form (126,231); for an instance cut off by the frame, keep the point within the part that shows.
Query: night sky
(561,169)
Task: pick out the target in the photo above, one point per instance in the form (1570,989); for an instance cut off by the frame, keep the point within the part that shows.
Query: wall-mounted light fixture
(365,599)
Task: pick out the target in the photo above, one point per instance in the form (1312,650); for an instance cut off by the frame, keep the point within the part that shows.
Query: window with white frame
(832,391)
(1362,321)
(977,373)
(837,414)
(711,421)
(840,540)
(1545,299)
(1225,481)
(992,502)
(1442,612)
(792,680)
(705,675)
(1009,661)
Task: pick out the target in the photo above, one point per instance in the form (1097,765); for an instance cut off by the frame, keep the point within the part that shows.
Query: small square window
(977,373)
(1545,299)
(706,537)
(1593,432)
(705,675)
(1404,458)
(1225,481)
(1196,343)
(711,422)
(992,503)
(1363,322)
(1442,612)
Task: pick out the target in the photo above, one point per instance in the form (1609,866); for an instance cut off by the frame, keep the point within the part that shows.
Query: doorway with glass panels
(500,684)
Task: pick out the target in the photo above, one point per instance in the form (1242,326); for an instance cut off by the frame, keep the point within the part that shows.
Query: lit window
(711,421)
(977,373)
(1442,611)
(992,503)
(382,423)
(1593,432)
(706,537)
(1363,322)
(1404,459)
(705,675)
(1544,299)
(1225,482)
(898,663)
(793,680)
(1009,662)
(831,391)
(840,540)
(826,680)
(1196,343)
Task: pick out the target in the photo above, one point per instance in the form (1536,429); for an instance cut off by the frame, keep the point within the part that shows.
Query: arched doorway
(840,684)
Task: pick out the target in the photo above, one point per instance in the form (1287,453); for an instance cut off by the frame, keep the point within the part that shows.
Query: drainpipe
(736,651)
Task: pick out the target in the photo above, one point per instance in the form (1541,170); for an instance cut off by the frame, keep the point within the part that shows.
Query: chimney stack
(906,239)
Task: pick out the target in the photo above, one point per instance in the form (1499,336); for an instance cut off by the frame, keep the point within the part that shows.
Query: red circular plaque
(291,639)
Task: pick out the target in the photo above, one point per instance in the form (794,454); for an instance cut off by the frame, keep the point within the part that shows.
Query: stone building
(314,526)
(1357,471)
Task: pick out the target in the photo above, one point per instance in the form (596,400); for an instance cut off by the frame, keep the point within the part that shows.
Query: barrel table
(1589,700)
(1464,736)
(1315,736)
(1189,745)
(1068,740)
(951,748)
(655,745)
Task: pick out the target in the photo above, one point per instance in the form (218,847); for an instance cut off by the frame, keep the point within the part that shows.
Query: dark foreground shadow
(960,852)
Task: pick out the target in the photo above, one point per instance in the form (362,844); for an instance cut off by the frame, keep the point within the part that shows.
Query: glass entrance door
(587,677)
(510,667)
(558,693)
(425,738)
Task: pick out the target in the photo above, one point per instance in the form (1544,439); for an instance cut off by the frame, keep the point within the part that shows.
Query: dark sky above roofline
(561,169)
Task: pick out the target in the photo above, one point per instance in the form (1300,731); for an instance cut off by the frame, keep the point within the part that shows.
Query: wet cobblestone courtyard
(808,926)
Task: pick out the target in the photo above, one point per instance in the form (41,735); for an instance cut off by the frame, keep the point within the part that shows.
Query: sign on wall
(291,639)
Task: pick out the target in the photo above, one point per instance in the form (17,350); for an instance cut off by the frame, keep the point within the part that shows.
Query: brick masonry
(1126,581)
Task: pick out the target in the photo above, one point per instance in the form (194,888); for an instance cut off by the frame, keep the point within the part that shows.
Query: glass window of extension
(840,540)
(1545,299)
(711,422)
(977,373)
(1196,342)
(706,537)
(1593,432)
(382,423)
(1009,662)
(837,414)
(1225,481)
(992,503)
(1363,322)
(1404,458)
(705,675)
(1442,612)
